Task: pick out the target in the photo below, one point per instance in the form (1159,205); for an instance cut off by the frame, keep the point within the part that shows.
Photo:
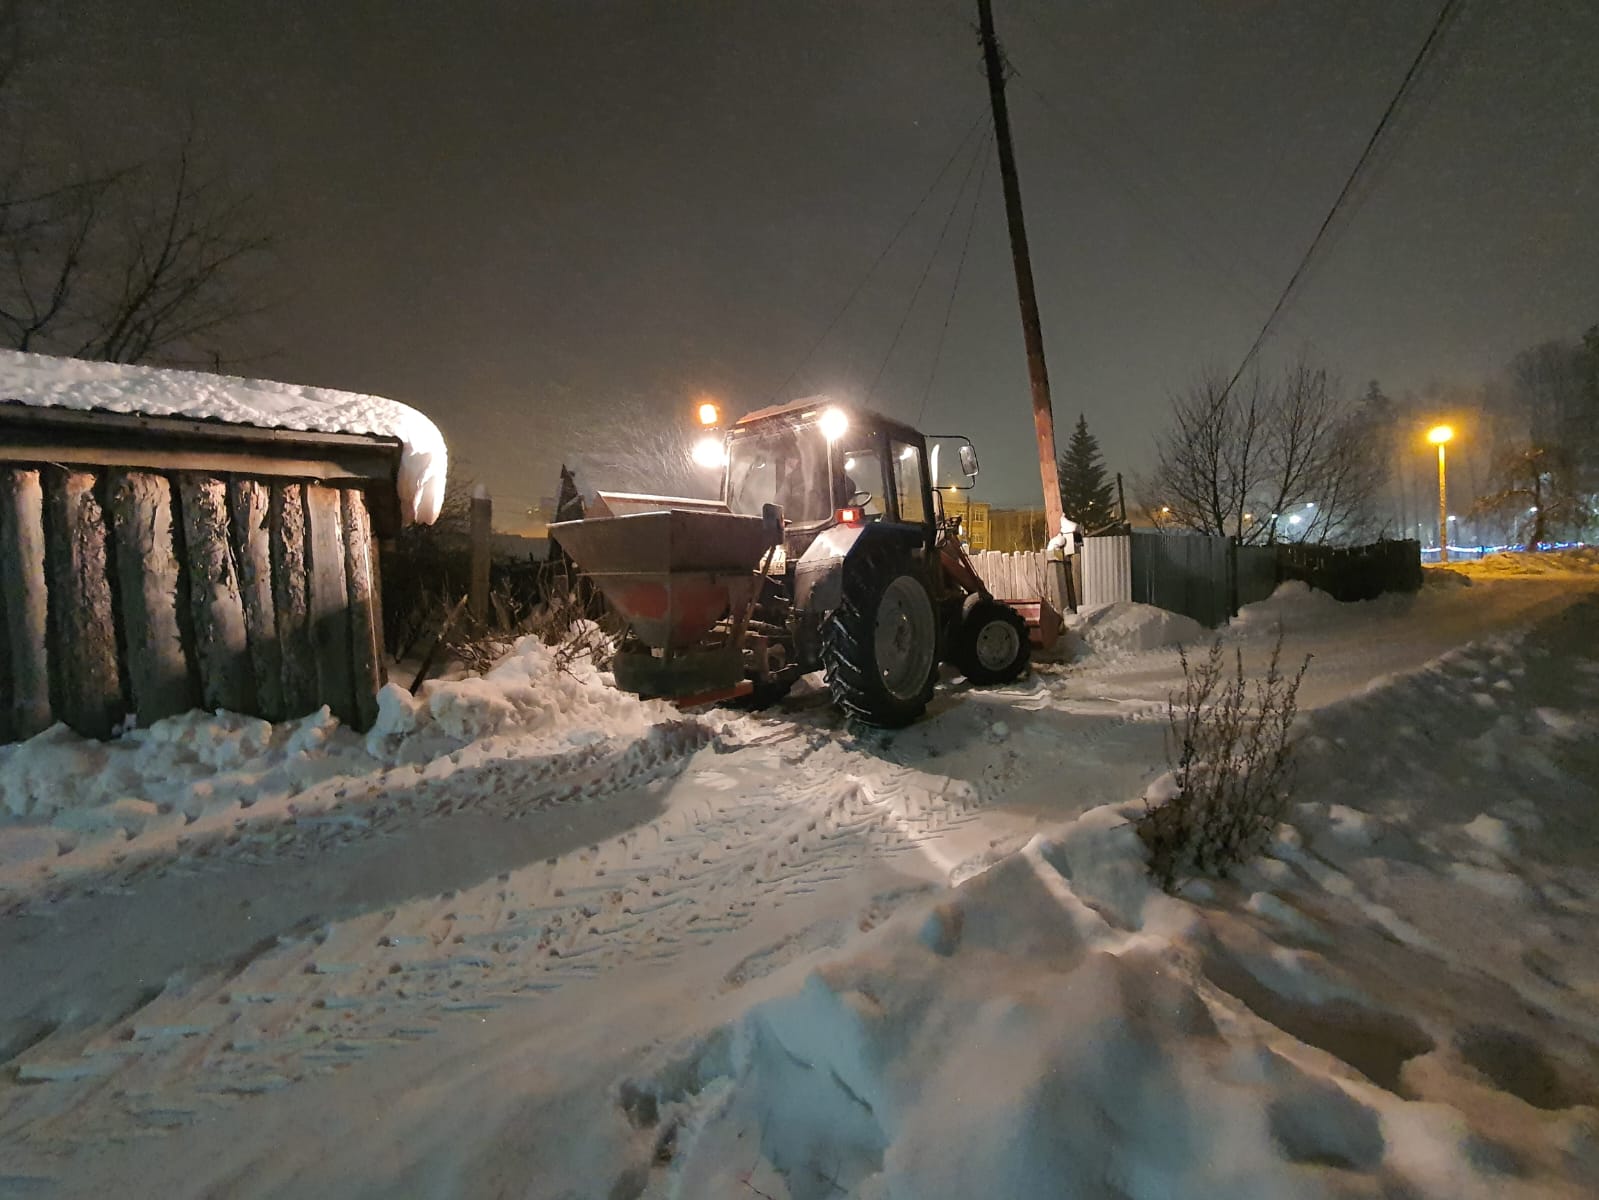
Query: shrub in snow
(1228,788)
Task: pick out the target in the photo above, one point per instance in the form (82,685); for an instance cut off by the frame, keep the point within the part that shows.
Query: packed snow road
(538,888)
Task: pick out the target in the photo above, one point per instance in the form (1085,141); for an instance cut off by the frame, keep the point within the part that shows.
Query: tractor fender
(819,572)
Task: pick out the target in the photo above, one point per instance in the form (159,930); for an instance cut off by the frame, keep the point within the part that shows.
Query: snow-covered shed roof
(67,383)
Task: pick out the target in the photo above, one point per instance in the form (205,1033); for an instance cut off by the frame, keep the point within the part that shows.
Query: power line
(949,219)
(882,254)
(960,270)
(1445,14)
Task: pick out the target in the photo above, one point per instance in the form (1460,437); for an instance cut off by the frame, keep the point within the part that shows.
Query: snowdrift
(1399,1000)
(1582,560)
(1294,605)
(1129,628)
(60,792)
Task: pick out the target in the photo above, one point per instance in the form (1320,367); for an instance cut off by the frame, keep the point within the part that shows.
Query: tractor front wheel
(991,644)
(880,647)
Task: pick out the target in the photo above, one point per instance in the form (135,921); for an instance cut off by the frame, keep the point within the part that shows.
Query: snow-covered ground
(534,938)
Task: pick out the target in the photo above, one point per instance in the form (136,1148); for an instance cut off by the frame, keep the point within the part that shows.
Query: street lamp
(1439,436)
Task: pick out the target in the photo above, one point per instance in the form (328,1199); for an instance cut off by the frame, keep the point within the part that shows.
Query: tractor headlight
(835,422)
(709,452)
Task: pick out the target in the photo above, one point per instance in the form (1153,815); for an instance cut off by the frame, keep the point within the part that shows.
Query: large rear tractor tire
(880,648)
(991,643)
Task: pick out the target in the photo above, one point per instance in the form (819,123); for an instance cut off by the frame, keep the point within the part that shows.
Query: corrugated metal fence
(1107,570)
(1209,578)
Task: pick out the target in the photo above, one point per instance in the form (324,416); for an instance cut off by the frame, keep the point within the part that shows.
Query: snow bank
(529,691)
(1035,1034)
(1294,605)
(60,792)
(1128,628)
(1581,560)
(48,382)
(1407,1009)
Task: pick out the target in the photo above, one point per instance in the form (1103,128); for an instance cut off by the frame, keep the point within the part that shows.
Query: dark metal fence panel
(1356,572)
(1188,575)
(1256,573)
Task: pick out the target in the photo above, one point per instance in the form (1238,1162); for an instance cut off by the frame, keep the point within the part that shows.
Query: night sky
(526,217)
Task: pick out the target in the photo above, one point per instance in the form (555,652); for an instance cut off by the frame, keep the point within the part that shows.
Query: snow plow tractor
(828,550)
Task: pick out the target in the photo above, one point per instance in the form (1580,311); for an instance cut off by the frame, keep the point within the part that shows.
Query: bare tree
(1537,494)
(153,261)
(178,265)
(1208,461)
(1259,463)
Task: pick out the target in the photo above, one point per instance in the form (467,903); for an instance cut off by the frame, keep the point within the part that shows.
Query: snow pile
(1582,560)
(48,382)
(1128,628)
(1400,1001)
(1444,577)
(1294,605)
(530,691)
(60,792)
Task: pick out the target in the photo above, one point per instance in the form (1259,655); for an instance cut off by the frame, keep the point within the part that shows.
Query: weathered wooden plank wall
(330,598)
(1024,575)
(249,503)
(128,593)
(226,676)
(85,675)
(163,682)
(23,605)
(366,667)
(291,599)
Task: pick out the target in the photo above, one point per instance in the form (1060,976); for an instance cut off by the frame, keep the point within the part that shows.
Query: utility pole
(1037,372)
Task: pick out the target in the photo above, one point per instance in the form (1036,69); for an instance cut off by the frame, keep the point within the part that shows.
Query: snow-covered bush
(1227,790)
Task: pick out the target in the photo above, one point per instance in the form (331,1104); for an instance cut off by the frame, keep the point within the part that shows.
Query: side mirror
(968,459)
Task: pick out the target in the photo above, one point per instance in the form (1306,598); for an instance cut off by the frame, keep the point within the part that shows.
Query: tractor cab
(827,464)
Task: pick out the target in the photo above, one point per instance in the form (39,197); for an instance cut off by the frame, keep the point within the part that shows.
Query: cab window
(910,482)
(864,483)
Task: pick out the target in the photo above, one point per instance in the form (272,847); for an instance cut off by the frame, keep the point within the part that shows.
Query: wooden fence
(1024,575)
(140,594)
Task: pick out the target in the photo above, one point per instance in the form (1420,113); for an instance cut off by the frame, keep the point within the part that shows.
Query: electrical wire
(960,270)
(877,262)
(981,153)
(1440,23)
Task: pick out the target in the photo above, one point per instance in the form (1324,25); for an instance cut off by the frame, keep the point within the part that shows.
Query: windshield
(784,466)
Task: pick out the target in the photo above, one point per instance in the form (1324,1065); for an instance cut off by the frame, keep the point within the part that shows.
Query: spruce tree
(1086,494)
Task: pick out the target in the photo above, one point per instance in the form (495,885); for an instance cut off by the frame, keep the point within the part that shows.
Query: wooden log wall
(138,595)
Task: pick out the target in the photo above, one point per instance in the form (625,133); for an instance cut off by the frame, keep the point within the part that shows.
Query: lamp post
(1439,436)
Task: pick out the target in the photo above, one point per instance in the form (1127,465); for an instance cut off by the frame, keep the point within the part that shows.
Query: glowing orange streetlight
(709,414)
(1439,435)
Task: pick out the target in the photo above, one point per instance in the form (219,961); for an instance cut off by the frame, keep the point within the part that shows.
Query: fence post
(482,525)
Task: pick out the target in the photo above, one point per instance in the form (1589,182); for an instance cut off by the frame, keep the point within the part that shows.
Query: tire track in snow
(783,811)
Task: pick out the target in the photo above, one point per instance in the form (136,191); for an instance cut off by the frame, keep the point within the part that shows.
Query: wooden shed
(154,564)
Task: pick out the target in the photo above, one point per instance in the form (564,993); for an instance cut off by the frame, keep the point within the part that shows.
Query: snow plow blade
(1044,622)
